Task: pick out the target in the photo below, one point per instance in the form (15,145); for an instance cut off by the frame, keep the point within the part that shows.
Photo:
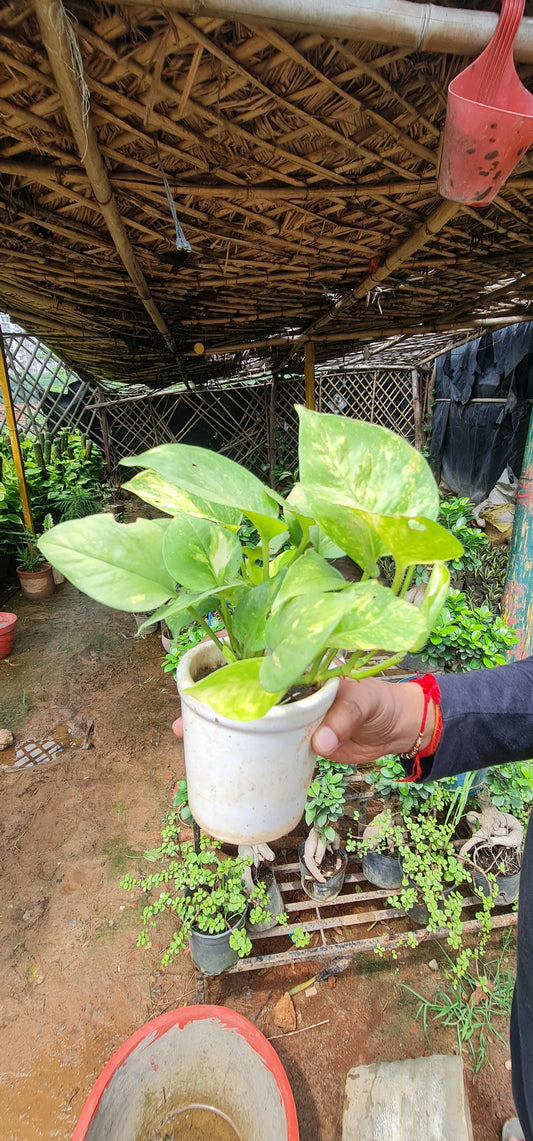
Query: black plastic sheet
(482,410)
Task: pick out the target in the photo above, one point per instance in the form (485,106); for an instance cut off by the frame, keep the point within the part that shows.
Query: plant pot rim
(44,566)
(7,621)
(154,1029)
(207,654)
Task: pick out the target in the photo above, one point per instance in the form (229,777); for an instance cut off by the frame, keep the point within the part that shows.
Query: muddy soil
(73,983)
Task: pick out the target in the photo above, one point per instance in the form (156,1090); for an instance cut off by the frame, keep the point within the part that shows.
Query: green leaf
(296,633)
(435,596)
(377,620)
(213,478)
(350,529)
(310,574)
(152,488)
(248,624)
(118,564)
(201,554)
(416,540)
(235,691)
(323,544)
(366,466)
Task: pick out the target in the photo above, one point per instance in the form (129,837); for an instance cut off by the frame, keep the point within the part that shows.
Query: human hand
(371,718)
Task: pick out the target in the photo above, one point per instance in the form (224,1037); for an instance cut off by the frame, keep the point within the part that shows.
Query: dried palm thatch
(302,167)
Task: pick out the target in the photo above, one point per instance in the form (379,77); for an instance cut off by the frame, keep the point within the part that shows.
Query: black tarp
(481,412)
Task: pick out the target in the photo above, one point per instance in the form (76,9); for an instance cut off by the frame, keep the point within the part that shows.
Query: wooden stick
(300,1031)
(7,398)
(53,23)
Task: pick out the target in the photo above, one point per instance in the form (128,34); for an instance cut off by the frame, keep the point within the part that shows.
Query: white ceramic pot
(247,781)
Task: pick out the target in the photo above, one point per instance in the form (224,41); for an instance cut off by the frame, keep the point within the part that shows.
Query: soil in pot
(503,863)
(333,867)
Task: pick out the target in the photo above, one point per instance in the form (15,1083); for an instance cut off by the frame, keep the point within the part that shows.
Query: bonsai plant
(494,850)
(364,492)
(205,893)
(322,860)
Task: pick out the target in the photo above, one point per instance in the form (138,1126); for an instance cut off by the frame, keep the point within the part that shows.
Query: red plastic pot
(7,629)
(196,1058)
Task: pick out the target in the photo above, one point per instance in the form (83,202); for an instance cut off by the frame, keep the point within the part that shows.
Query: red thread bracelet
(431,692)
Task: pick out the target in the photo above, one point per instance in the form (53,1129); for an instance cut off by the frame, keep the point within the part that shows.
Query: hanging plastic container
(489,119)
(197,1071)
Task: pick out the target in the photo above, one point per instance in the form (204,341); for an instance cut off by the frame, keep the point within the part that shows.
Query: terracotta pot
(38,583)
(7,629)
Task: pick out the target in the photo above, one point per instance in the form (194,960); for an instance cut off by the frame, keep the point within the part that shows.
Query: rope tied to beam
(182,244)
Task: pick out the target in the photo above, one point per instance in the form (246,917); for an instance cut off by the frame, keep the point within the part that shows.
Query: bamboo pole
(309,372)
(517,602)
(7,398)
(63,53)
(418,414)
(422,27)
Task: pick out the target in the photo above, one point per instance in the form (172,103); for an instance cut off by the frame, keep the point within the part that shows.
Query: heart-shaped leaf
(296,633)
(377,620)
(151,487)
(250,616)
(235,691)
(367,466)
(309,574)
(416,540)
(215,478)
(118,564)
(200,554)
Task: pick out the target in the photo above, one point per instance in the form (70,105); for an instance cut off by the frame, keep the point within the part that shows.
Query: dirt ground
(73,984)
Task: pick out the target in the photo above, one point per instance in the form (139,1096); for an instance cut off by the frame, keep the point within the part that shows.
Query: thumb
(340,721)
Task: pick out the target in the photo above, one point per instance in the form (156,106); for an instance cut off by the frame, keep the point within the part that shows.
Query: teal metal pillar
(517,602)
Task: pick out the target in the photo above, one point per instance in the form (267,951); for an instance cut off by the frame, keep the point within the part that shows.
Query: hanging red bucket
(489,119)
(196,1071)
(7,629)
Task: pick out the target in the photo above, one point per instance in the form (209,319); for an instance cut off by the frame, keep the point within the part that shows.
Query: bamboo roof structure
(296,166)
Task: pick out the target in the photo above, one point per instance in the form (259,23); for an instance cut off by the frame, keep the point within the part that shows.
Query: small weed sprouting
(472,1005)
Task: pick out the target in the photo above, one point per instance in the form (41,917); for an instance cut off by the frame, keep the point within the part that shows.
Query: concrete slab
(417,1099)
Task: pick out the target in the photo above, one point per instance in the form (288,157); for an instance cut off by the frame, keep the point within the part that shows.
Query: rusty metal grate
(357,911)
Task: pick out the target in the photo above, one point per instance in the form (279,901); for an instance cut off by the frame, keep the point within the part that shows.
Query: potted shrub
(205,893)
(322,860)
(252,699)
(35,575)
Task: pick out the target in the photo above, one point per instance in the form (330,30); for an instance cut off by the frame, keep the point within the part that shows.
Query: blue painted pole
(517,602)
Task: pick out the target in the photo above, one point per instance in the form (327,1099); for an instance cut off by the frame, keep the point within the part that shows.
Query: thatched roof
(303,169)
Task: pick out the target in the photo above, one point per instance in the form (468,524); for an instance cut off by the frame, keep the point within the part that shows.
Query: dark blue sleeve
(487,719)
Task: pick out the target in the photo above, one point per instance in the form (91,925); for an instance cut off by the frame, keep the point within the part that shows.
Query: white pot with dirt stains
(247,781)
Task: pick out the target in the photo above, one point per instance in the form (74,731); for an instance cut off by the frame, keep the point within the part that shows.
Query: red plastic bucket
(196,1058)
(7,629)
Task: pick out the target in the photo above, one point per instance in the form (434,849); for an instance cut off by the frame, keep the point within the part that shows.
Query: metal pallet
(359,909)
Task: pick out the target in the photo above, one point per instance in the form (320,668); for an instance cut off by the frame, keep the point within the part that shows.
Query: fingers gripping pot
(247,781)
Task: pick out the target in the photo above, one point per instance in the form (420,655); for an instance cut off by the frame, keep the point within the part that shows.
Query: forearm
(487,719)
